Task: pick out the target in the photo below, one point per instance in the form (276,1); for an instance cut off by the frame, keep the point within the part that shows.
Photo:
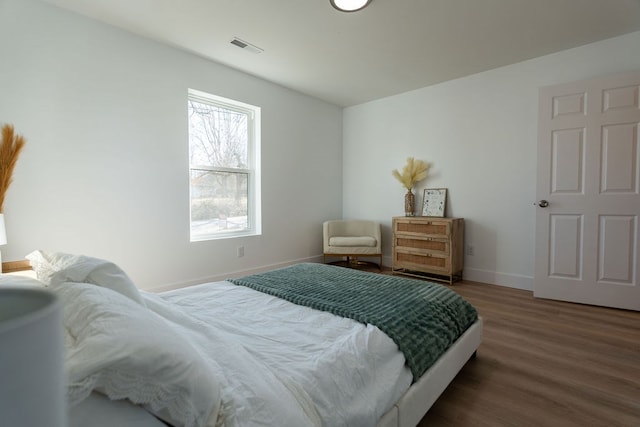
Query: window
(223,167)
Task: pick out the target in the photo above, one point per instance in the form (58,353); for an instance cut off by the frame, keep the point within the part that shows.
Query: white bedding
(217,353)
(287,365)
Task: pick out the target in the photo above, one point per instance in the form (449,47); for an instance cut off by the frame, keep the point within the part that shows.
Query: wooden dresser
(428,247)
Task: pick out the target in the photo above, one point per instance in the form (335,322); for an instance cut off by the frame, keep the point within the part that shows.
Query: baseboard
(515,281)
(496,278)
(471,274)
(234,274)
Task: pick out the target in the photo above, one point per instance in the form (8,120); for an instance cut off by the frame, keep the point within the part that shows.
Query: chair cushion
(345,241)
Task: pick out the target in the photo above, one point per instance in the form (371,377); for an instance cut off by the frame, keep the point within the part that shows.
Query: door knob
(543,203)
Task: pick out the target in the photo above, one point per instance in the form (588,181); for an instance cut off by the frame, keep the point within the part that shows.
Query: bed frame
(415,403)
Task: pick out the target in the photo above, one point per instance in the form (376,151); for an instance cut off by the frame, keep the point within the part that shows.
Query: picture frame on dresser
(434,202)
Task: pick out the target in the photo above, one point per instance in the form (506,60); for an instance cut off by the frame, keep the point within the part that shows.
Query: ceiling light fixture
(349,5)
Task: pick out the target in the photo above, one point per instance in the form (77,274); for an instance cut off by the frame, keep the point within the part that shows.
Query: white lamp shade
(3,232)
(32,378)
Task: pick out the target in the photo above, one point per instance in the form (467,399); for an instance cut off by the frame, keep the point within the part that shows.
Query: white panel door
(588,184)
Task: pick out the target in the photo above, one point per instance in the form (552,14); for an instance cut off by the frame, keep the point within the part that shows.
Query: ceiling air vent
(245,45)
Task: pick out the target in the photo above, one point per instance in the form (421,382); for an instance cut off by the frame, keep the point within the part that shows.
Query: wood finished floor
(544,363)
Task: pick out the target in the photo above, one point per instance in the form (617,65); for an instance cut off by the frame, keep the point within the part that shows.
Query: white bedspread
(218,354)
(281,364)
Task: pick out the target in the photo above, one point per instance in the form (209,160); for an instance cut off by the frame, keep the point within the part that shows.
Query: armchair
(352,239)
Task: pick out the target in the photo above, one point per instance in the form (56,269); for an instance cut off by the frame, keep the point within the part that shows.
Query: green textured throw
(423,318)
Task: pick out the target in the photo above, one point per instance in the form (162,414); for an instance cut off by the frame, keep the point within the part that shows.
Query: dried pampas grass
(412,173)
(10,148)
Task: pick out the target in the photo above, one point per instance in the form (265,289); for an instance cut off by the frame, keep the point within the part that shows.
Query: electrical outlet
(470,250)
(240,251)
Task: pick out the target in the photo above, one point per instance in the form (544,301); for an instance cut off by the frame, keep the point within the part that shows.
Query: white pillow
(126,351)
(58,267)
(46,264)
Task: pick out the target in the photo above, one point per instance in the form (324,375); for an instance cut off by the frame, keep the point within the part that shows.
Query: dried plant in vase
(10,148)
(412,173)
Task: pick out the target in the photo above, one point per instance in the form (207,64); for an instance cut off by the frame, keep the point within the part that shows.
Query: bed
(256,351)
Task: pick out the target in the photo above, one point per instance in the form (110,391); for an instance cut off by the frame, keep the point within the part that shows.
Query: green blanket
(423,318)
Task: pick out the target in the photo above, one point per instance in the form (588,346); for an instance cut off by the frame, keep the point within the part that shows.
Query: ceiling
(390,47)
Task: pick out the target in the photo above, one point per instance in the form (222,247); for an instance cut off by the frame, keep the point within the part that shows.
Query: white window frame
(254,210)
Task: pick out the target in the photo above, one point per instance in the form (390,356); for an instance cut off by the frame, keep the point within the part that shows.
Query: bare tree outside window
(220,140)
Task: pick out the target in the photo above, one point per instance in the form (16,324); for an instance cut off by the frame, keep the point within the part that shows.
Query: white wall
(480,134)
(104,172)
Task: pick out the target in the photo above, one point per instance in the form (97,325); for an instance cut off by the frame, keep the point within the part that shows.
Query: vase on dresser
(409,203)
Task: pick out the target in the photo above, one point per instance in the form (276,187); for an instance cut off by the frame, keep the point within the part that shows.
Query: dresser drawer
(424,228)
(425,244)
(411,260)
